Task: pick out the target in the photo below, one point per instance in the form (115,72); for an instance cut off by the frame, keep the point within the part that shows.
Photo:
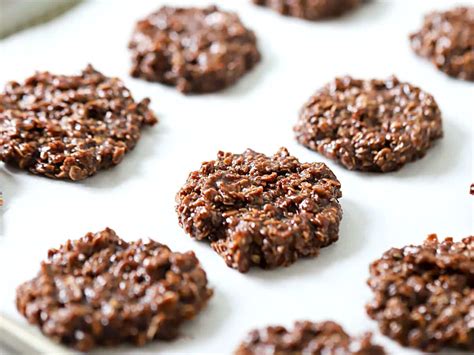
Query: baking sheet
(137,197)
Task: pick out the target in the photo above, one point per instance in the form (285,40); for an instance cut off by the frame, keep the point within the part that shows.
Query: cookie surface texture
(446,39)
(310,9)
(424,294)
(307,338)
(370,125)
(69,127)
(258,210)
(197,50)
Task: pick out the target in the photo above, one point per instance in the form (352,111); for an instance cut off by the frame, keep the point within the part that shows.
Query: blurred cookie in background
(311,9)
(446,39)
(307,337)
(197,50)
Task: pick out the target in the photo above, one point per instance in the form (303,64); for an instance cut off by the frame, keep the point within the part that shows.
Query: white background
(136,198)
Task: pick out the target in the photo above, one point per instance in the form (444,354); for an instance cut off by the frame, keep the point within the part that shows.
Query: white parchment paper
(137,197)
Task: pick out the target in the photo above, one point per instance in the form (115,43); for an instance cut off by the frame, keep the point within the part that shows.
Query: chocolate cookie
(424,295)
(261,211)
(310,10)
(307,338)
(375,125)
(69,127)
(447,40)
(197,50)
(101,291)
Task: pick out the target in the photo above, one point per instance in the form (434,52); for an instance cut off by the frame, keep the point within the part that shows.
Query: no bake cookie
(310,9)
(446,39)
(258,210)
(307,338)
(197,50)
(424,294)
(370,125)
(69,127)
(101,291)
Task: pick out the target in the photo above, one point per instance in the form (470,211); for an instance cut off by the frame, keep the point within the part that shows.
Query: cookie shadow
(8,189)
(208,321)
(441,158)
(130,166)
(367,11)
(351,240)
(132,163)
(252,80)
